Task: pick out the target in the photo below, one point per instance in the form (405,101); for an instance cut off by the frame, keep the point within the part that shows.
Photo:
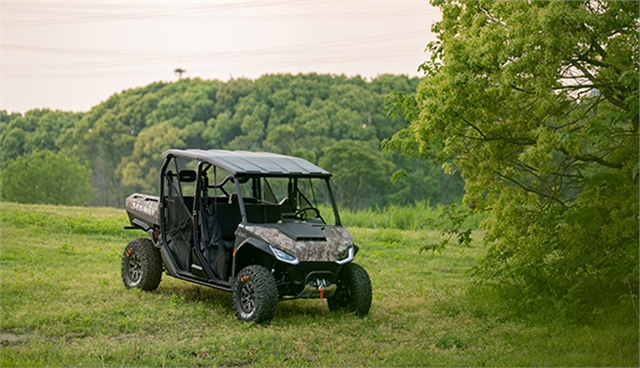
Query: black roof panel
(252,163)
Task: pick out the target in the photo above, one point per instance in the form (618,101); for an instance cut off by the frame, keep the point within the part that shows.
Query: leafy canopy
(122,139)
(536,105)
(358,168)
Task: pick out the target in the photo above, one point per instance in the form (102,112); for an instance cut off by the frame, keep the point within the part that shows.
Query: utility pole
(179,71)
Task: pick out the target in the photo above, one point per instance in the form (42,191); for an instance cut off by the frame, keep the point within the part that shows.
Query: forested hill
(334,121)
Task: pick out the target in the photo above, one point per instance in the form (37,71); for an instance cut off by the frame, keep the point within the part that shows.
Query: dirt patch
(11,338)
(126,337)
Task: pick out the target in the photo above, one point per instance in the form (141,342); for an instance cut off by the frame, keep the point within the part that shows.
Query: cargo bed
(142,210)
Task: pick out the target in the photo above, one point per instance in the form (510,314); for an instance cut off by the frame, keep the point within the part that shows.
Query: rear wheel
(255,294)
(354,290)
(141,265)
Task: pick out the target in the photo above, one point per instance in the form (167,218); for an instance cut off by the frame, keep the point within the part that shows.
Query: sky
(71,56)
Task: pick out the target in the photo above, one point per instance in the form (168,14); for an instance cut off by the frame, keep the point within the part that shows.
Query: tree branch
(528,189)
(616,102)
(474,128)
(591,158)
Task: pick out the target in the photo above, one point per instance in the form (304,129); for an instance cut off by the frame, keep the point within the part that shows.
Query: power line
(294,66)
(76,51)
(110,17)
(347,47)
(66,16)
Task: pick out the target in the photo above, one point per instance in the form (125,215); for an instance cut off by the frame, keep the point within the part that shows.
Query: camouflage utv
(249,223)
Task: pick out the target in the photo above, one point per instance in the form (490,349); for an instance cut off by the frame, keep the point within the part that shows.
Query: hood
(306,242)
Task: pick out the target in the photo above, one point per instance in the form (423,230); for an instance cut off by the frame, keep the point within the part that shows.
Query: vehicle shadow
(192,293)
(303,308)
(222,300)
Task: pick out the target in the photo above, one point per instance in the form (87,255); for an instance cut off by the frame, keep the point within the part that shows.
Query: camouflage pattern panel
(144,208)
(337,241)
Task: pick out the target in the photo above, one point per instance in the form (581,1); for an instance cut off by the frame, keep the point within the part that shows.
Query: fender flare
(244,249)
(255,243)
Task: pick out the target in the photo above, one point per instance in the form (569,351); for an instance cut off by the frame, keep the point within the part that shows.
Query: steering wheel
(301,214)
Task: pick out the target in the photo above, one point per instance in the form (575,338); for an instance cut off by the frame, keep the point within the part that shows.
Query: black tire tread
(266,294)
(356,293)
(151,265)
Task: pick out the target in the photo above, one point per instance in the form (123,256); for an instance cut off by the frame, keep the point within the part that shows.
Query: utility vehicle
(262,226)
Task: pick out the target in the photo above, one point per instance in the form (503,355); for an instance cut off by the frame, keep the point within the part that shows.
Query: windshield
(295,199)
(270,199)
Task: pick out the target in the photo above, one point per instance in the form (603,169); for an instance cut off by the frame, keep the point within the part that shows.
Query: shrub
(46,178)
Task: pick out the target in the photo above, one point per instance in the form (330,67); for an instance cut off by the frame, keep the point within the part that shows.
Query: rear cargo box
(143,208)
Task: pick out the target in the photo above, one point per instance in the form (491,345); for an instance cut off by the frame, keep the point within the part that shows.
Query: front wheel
(255,294)
(354,290)
(141,265)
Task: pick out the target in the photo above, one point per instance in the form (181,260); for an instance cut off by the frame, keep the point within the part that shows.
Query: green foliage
(414,216)
(108,134)
(122,139)
(451,222)
(360,171)
(37,130)
(46,177)
(416,180)
(141,170)
(536,105)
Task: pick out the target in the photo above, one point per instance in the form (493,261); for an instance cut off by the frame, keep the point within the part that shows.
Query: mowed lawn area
(64,304)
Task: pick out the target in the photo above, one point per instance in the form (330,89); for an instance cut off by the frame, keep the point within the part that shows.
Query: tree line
(337,122)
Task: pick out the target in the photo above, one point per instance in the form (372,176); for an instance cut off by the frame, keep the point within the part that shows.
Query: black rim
(135,267)
(248,296)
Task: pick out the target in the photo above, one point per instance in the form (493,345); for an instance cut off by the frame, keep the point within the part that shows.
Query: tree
(140,171)
(122,139)
(416,180)
(360,172)
(107,134)
(46,178)
(536,105)
(37,130)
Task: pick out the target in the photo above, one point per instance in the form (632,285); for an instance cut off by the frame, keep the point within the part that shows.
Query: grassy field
(63,304)
(410,217)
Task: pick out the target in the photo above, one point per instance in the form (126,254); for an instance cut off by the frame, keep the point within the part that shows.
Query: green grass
(410,217)
(63,304)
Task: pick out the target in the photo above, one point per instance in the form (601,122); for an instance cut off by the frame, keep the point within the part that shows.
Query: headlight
(346,256)
(284,256)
